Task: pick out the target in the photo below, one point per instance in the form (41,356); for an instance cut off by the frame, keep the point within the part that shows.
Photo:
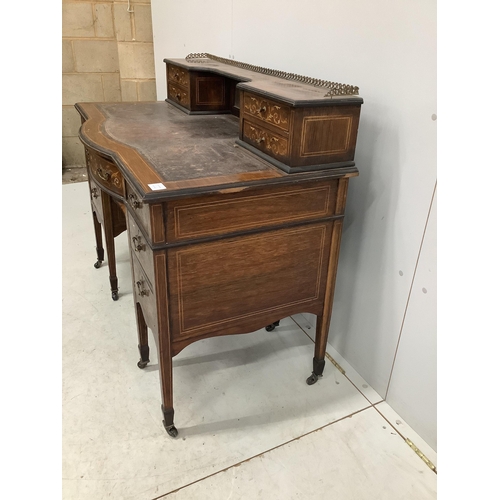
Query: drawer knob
(95,193)
(262,110)
(134,201)
(262,139)
(178,97)
(138,246)
(143,292)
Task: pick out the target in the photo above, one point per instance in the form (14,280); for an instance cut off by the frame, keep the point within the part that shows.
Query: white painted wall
(388,49)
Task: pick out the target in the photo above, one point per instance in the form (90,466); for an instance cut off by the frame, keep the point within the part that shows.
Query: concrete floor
(73,174)
(249,426)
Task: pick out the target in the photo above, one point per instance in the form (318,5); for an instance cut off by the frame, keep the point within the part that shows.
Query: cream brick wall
(107,56)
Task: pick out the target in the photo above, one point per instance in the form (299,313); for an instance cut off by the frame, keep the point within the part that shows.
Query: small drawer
(177,75)
(268,142)
(105,173)
(144,293)
(139,209)
(139,247)
(213,215)
(178,95)
(96,200)
(267,111)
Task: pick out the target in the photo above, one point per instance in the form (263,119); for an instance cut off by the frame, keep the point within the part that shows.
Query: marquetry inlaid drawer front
(96,199)
(267,111)
(178,95)
(106,173)
(139,208)
(140,247)
(265,140)
(178,75)
(144,293)
(233,213)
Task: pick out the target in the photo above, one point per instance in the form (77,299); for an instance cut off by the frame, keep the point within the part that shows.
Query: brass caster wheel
(312,379)
(142,364)
(271,327)
(171,430)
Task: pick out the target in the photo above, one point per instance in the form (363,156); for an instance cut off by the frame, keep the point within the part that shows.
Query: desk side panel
(239,285)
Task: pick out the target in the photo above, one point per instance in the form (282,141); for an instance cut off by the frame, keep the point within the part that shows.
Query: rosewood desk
(234,193)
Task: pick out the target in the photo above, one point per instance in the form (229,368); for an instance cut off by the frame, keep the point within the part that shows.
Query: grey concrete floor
(74,173)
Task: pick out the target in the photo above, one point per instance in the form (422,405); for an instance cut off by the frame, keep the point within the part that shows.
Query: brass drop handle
(176,76)
(143,292)
(138,246)
(262,110)
(134,201)
(262,139)
(95,193)
(178,97)
(103,174)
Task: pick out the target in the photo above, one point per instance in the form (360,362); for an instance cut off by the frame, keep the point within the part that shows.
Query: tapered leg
(164,343)
(142,331)
(110,243)
(98,241)
(323,320)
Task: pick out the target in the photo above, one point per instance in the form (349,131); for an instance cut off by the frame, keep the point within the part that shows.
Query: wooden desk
(222,239)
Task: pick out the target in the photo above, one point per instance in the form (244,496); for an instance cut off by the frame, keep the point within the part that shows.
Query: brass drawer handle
(262,139)
(134,201)
(262,110)
(143,292)
(138,246)
(95,193)
(178,97)
(105,175)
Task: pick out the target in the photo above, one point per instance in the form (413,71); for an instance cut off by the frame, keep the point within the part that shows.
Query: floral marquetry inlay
(267,111)
(266,141)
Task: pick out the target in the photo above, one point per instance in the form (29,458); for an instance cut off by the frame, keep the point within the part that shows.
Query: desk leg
(164,343)
(142,330)
(110,243)
(323,320)
(98,240)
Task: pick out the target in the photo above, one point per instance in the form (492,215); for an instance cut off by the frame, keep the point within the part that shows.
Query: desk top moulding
(295,122)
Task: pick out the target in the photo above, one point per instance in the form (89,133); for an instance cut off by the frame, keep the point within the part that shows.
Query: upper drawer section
(105,173)
(177,75)
(267,111)
(231,213)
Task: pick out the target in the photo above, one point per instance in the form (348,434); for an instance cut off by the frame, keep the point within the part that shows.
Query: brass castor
(312,379)
(272,326)
(171,430)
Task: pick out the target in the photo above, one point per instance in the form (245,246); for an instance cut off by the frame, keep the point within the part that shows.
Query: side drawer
(231,213)
(140,209)
(268,142)
(267,111)
(178,95)
(144,293)
(106,173)
(140,247)
(177,75)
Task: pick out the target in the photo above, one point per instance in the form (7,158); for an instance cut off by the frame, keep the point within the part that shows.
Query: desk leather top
(155,143)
